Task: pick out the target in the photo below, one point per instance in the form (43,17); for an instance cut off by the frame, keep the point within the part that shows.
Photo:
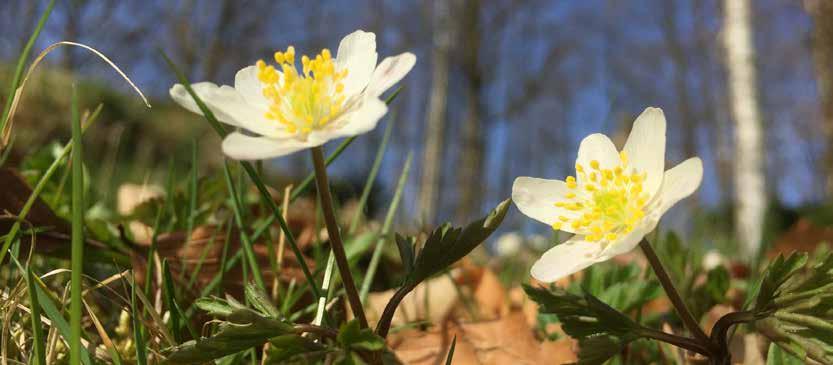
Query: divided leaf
(795,296)
(602,331)
(244,329)
(447,244)
(351,336)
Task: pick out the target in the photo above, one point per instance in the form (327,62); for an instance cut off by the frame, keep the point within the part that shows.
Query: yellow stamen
(614,202)
(301,102)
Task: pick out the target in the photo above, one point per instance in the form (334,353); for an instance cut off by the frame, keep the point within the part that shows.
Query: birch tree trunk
(821,12)
(436,115)
(470,160)
(750,196)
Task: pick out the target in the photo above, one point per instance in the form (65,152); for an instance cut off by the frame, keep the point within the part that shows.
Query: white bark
(436,115)
(750,194)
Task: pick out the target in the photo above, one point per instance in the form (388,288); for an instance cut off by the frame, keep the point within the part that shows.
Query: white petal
(645,147)
(679,182)
(242,147)
(357,54)
(599,148)
(248,85)
(631,240)
(204,90)
(567,258)
(228,106)
(389,72)
(360,119)
(536,199)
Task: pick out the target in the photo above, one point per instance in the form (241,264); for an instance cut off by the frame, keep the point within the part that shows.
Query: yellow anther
(556,226)
(302,101)
(289,55)
(608,174)
(614,204)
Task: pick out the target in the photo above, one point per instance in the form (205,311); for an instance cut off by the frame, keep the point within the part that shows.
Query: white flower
(615,199)
(288,109)
(509,244)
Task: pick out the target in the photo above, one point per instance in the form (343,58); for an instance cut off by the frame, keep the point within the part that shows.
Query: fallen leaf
(508,340)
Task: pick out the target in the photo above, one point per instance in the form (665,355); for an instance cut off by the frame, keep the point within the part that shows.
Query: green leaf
(447,244)
(776,275)
(794,306)
(351,336)
(258,299)
(598,349)
(601,330)
(214,306)
(581,316)
(406,252)
(243,330)
(284,348)
(777,356)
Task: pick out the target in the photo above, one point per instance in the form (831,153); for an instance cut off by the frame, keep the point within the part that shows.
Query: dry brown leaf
(804,235)
(490,296)
(508,340)
(54,239)
(438,293)
(205,241)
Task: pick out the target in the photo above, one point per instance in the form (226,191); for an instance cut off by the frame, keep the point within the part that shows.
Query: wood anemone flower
(284,109)
(615,199)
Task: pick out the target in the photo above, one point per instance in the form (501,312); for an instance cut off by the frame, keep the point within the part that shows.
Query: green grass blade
(138,337)
(59,321)
(192,190)
(21,63)
(386,227)
(451,351)
(38,339)
(170,300)
(371,178)
(54,314)
(244,237)
(77,259)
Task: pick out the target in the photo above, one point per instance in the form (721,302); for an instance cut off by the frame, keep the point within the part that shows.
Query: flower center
(608,202)
(302,101)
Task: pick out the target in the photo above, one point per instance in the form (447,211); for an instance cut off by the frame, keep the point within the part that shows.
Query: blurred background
(502,88)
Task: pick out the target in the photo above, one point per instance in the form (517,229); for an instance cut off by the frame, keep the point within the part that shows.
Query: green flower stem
(673,295)
(336,243)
